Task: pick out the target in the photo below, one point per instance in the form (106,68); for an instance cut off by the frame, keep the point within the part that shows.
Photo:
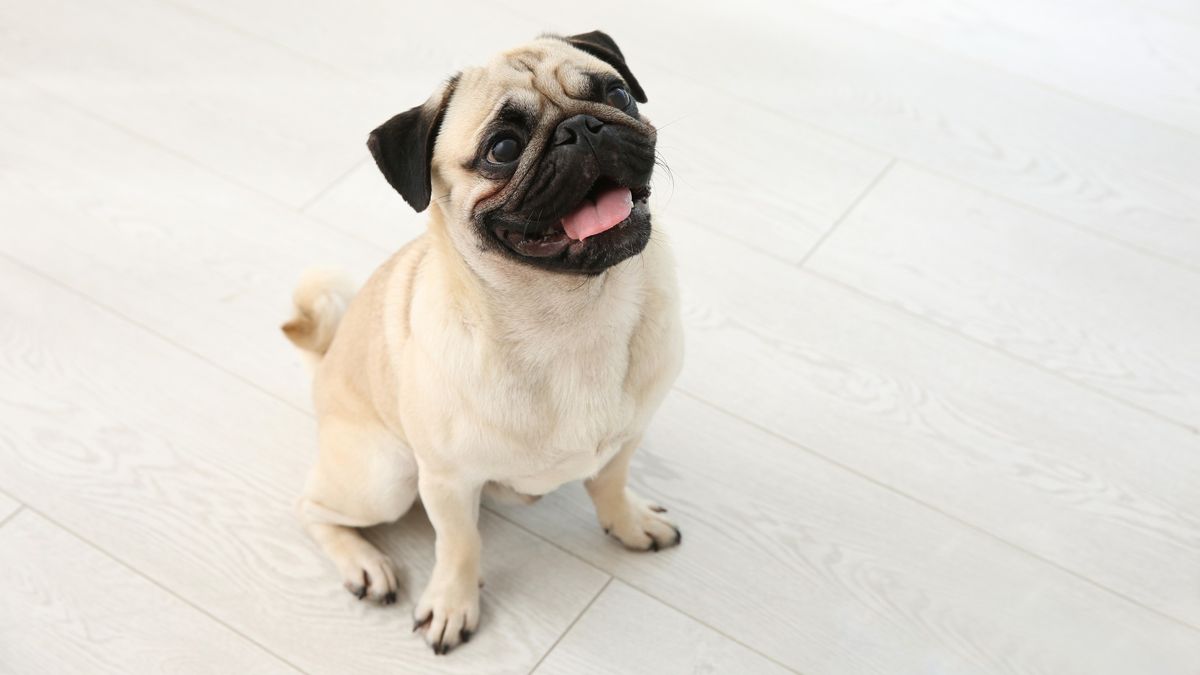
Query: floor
(941,406)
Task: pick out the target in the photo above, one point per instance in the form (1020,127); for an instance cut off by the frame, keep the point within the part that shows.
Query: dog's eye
(504,151)
(618,98)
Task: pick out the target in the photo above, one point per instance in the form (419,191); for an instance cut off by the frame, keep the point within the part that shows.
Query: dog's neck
(512,297)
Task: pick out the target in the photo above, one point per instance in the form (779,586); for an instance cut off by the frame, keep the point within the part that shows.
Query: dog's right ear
(602,46)
(403,147)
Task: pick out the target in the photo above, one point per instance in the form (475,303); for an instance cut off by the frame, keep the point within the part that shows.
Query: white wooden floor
(941,407)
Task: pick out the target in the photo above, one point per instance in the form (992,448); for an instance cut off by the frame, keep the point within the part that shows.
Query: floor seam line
(162,587)
(977,62)
(10,517)
(926,321)
(121,316)
(181,156)
(862,196)
(933,507)
(574,621)
(979,187)
(247,34)
(1013,202)
(308,203)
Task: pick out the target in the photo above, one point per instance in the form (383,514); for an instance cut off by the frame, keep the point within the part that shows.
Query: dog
(523,341)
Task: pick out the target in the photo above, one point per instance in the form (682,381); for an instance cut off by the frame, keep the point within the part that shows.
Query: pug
(523,341)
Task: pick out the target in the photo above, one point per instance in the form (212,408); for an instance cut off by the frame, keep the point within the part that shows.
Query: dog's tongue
(611,207)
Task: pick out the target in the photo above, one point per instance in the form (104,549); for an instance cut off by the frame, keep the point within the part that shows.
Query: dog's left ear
(403,147)
(599,44)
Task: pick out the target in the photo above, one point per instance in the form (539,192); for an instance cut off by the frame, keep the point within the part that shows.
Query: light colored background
(941,269)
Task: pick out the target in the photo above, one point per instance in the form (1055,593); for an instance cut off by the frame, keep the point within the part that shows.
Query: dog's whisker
(664,125)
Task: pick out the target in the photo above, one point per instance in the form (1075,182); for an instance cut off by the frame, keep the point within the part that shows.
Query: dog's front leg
(449,608)
(638,524)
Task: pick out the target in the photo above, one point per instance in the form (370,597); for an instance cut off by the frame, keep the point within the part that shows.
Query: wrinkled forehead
(537,78)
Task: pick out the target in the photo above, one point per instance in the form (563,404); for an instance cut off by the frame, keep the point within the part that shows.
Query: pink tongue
(611,207)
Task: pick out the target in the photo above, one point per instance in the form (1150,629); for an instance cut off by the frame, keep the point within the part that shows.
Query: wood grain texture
(1038,461)
(1101,169)
(198,259)
(244,109)
(1139,61)
(1096,312)
(373,38)
(191,475)
(843,389)
(70,609)
(861,491)
(825,572)
(625,632)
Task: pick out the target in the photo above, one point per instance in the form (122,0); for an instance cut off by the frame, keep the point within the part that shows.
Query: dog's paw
(367,573)
(643,527)
(448,614)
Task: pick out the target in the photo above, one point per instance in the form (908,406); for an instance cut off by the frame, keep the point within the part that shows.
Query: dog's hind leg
(364,476)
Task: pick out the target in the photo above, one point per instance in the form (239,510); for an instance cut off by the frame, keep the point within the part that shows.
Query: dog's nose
(572,129)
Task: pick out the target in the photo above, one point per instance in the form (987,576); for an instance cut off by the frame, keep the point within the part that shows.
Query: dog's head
(539,158)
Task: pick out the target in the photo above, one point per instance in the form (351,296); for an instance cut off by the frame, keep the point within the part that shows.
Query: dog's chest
(587,435)
(542,395)
(574,414)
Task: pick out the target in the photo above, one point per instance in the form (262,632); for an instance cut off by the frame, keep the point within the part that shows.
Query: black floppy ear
(403,148)
(600,45)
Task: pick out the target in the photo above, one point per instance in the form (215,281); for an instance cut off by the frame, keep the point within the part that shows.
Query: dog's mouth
(605,210)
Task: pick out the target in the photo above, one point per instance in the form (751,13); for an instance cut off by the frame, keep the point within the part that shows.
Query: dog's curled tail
(321,299)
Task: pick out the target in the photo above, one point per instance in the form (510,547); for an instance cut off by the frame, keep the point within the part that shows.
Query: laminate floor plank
(194,257)
(625,632)
(826,572)
(245,109)
(1093,484)
(69,608)
(1096,312)
(1114,53)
